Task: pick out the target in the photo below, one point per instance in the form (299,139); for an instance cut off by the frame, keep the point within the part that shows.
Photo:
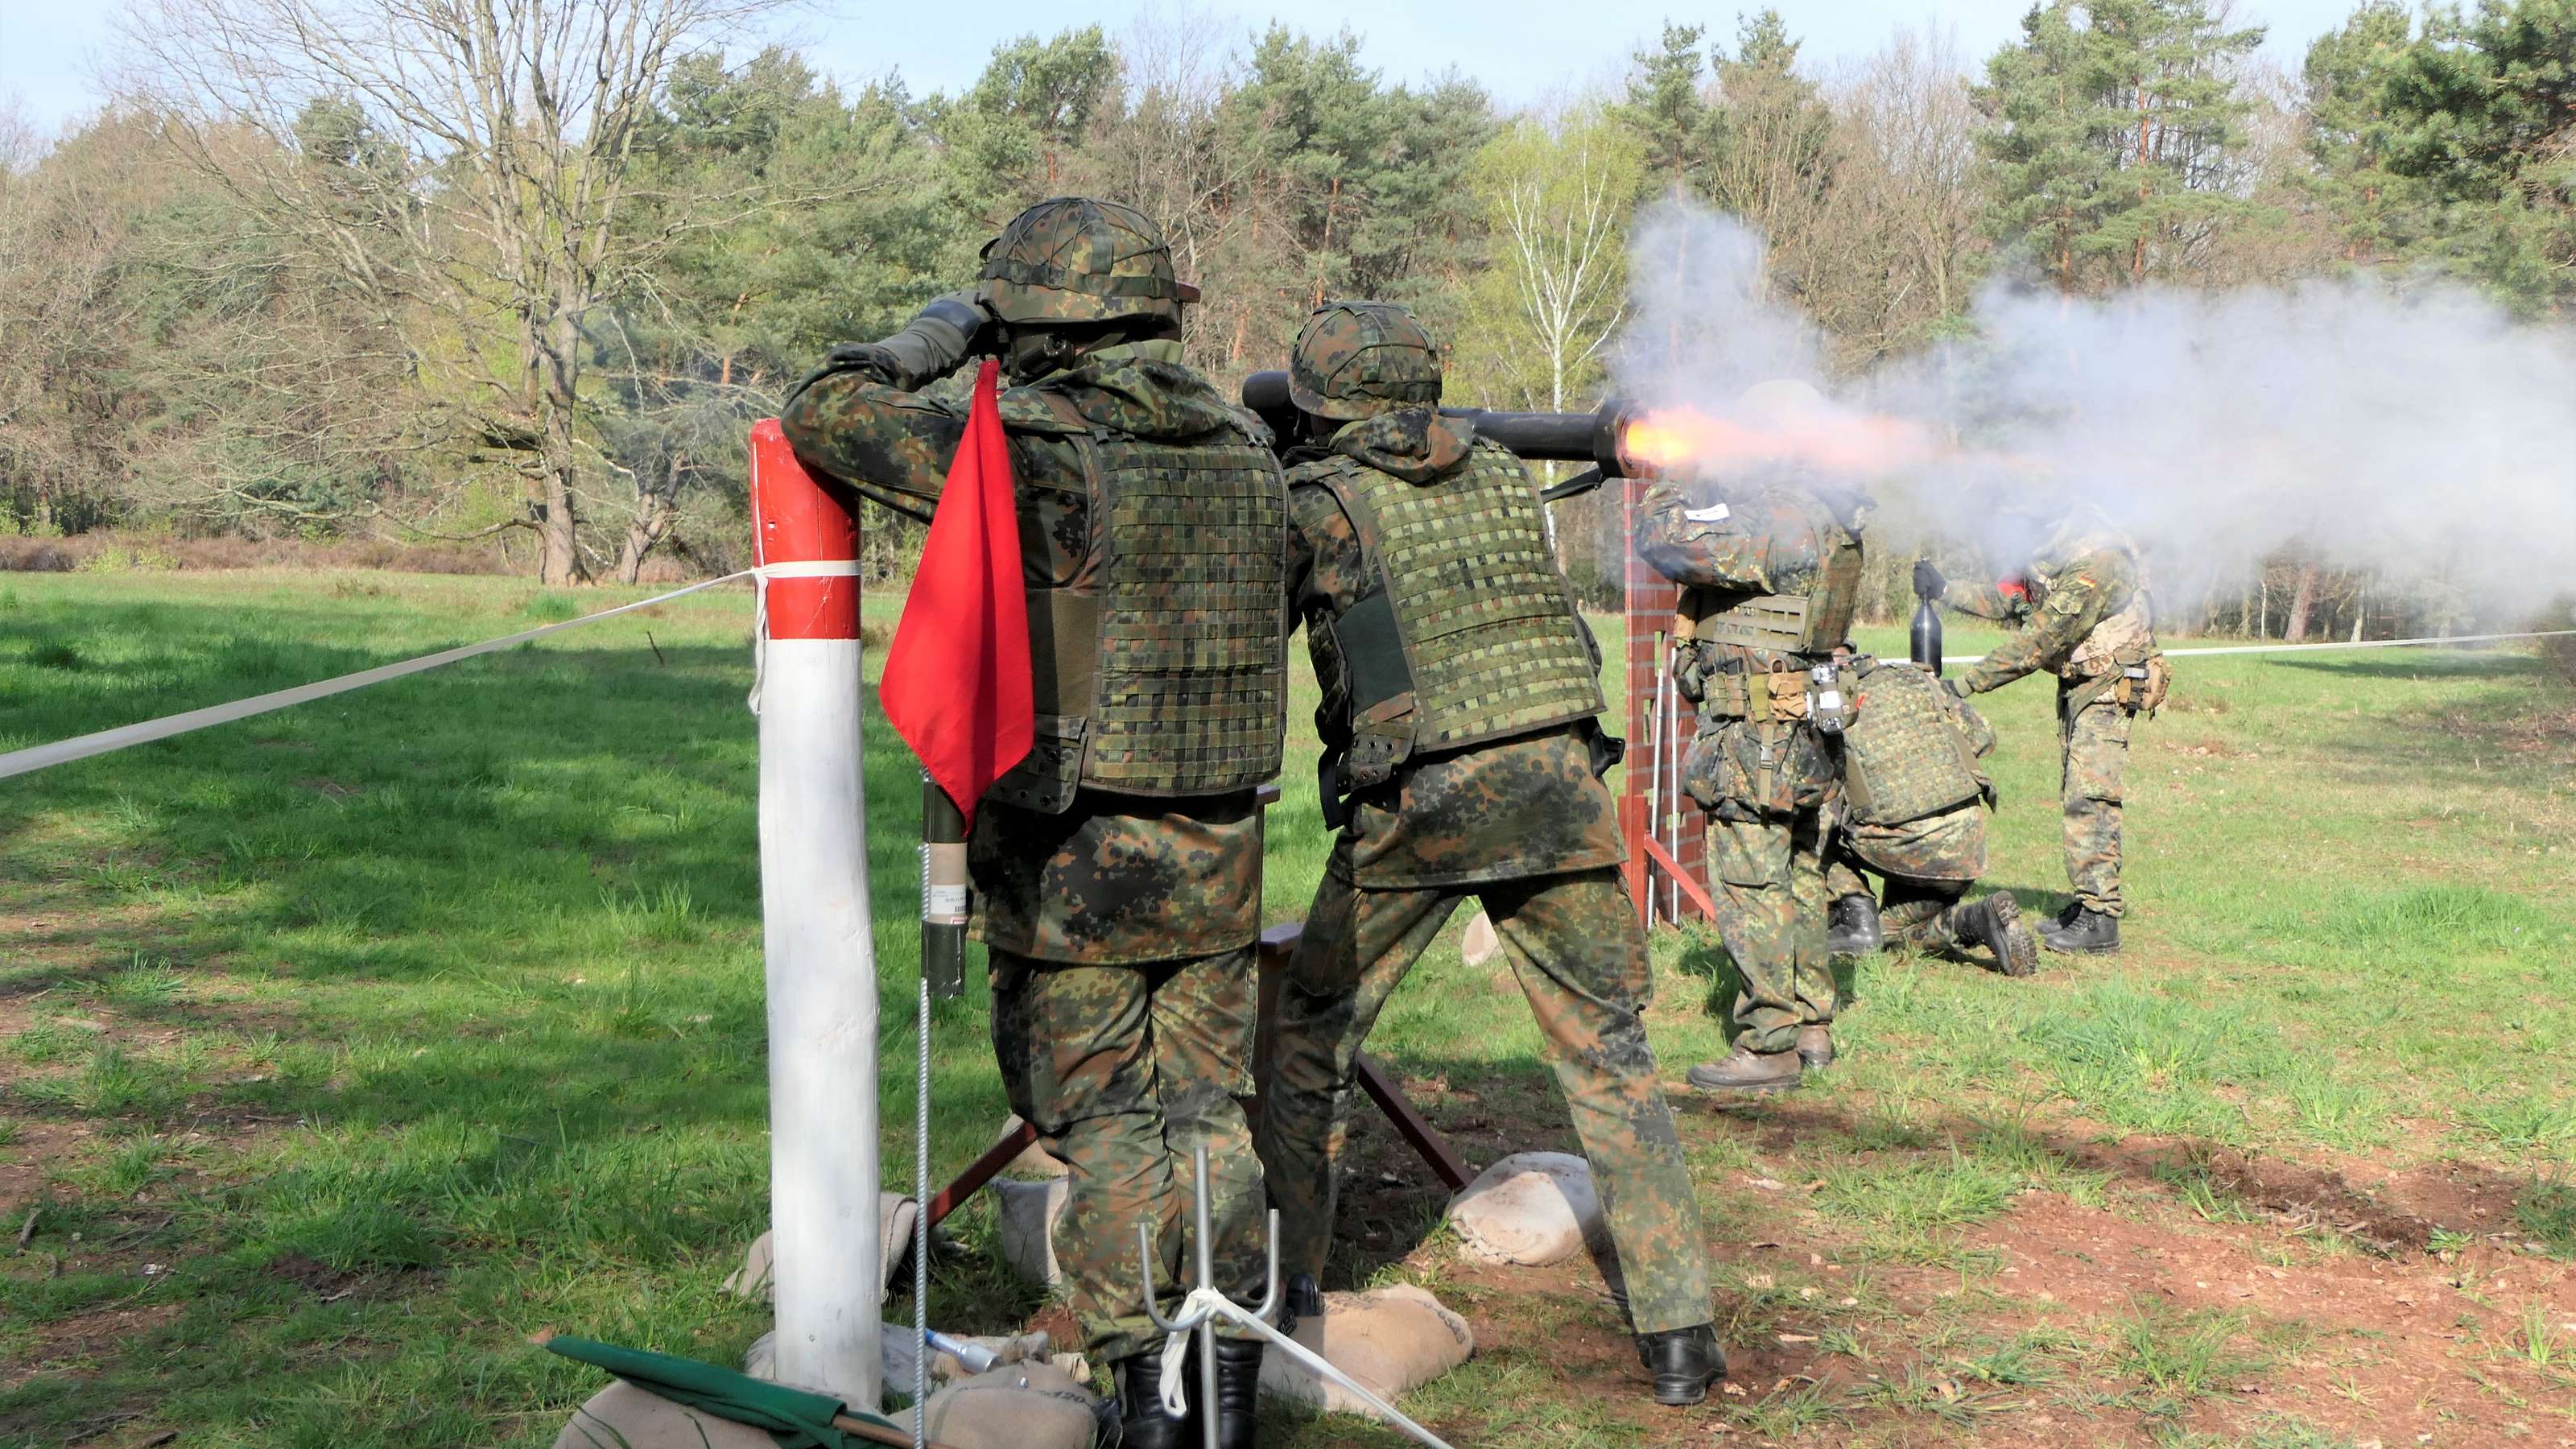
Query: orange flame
(1847,443)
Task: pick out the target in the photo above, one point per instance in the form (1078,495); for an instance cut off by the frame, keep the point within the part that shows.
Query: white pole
(822,981)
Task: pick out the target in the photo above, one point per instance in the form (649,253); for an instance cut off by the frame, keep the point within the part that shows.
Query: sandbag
(1394,1340)
(1531,1208)
(1019,1406)
(623,1416)
(1481,943)
(1024,1219)
(895,1214)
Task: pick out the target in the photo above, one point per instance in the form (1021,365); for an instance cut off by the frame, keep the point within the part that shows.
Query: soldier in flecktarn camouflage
(1770,574)
(1913,810)
(1463,758)
(1116,871)
(2080,610)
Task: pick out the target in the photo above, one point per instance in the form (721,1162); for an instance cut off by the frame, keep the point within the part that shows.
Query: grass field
(342,1048)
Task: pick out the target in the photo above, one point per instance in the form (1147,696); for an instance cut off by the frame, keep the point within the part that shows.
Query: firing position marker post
(822,978)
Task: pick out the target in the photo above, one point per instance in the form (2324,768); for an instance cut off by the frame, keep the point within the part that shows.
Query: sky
(1525,51)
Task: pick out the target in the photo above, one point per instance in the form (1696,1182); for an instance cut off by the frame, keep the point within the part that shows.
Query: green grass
(405,1023)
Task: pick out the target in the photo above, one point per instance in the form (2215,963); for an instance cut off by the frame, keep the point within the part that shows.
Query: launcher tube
(1591,437)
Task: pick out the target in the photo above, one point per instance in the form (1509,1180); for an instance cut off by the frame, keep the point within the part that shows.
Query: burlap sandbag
(1480,944)
(1394,1340)
(1018,1406)
(1531,1208)
(1024,1220)
(623,1416)
(895,1214)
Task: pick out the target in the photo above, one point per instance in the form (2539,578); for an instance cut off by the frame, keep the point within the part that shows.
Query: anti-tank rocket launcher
(1600,438)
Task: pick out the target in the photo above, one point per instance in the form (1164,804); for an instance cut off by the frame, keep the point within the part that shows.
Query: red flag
(957,679)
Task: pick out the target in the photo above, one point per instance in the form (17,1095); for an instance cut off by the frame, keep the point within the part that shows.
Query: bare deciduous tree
(462,163)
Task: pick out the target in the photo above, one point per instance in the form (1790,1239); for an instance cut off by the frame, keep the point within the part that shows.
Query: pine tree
(2350,132)
(2116,122)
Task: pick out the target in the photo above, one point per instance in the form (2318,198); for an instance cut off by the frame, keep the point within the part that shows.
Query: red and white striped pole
(822,978)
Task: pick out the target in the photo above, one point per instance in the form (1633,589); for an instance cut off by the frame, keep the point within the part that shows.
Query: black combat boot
(1238,1391)
(2090,933)
(1299,1300)
(1815,1046)
(1996,924)
(1851,928)
(1684,1361)
(1748,1071)
(1143,1422)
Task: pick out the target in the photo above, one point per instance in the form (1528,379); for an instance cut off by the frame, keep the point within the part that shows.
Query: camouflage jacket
(2084,601)
(1514,808)
(1758,541)
(1116,879)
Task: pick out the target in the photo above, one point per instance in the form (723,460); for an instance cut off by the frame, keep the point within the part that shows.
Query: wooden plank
(1687,880)
(1412,1126)
(981,1171)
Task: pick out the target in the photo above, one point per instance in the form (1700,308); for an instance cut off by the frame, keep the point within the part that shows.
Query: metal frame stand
(1199,1317)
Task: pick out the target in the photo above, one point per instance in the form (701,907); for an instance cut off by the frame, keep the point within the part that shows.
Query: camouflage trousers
(1770,877)
(1921,915)
(2094,740)
(1123,1070)
(1580,955)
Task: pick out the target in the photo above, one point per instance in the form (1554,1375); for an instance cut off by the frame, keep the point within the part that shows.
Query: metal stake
(1202,1321)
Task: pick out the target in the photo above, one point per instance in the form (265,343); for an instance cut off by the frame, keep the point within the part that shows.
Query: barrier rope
(82,747)
(1202,1304)
(2342,644)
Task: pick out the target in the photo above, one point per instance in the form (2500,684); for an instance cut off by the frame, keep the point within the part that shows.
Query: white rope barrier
(82,747)
(2341,644)
(1203,1304)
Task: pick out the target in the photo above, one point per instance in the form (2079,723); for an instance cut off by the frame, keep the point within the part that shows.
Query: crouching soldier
(1461,695)
(1913,810)
(2080,611)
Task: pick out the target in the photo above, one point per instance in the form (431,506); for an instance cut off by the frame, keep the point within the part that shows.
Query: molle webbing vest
(1903,756)
(1811,621)
(1167,674)
(1470,634)
(1750,634)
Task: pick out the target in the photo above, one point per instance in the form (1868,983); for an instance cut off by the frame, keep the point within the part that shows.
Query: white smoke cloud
(2423,436)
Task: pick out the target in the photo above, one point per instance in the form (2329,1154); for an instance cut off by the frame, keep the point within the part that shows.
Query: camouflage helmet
(1077,259)
(1359,359)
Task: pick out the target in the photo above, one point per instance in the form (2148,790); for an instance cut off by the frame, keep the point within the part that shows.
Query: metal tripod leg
(1201,1318)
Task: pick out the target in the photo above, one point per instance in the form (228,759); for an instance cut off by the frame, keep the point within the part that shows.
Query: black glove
(1928,582)
(930,346)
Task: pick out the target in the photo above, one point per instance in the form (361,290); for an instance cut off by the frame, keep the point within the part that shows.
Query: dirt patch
(314,1276)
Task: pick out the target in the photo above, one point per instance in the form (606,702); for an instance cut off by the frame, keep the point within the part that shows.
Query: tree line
(523,270)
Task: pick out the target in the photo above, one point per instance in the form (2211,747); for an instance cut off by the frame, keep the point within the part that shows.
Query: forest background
(500,284)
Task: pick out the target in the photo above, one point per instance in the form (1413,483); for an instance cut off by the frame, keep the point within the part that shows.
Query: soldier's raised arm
(2076,602)
(1711,547)
(863,418)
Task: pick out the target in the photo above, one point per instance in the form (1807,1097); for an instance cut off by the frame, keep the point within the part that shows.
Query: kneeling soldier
(1913,810)
(1461,696)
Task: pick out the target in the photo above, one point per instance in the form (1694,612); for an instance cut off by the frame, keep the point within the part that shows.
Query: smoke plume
(2425,436)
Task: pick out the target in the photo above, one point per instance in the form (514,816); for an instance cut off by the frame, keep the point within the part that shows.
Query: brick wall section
(1650,613)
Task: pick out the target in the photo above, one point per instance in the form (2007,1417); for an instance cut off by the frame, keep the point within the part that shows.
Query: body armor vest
(1470,634)
(1163,670)
(1904,757)
(1809,622)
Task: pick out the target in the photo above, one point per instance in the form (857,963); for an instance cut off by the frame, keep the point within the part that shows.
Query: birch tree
(1556,195)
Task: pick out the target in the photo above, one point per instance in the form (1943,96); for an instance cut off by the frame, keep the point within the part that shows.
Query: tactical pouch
(1381,740)
(2140,688)
(1786,692)
(1046,779)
